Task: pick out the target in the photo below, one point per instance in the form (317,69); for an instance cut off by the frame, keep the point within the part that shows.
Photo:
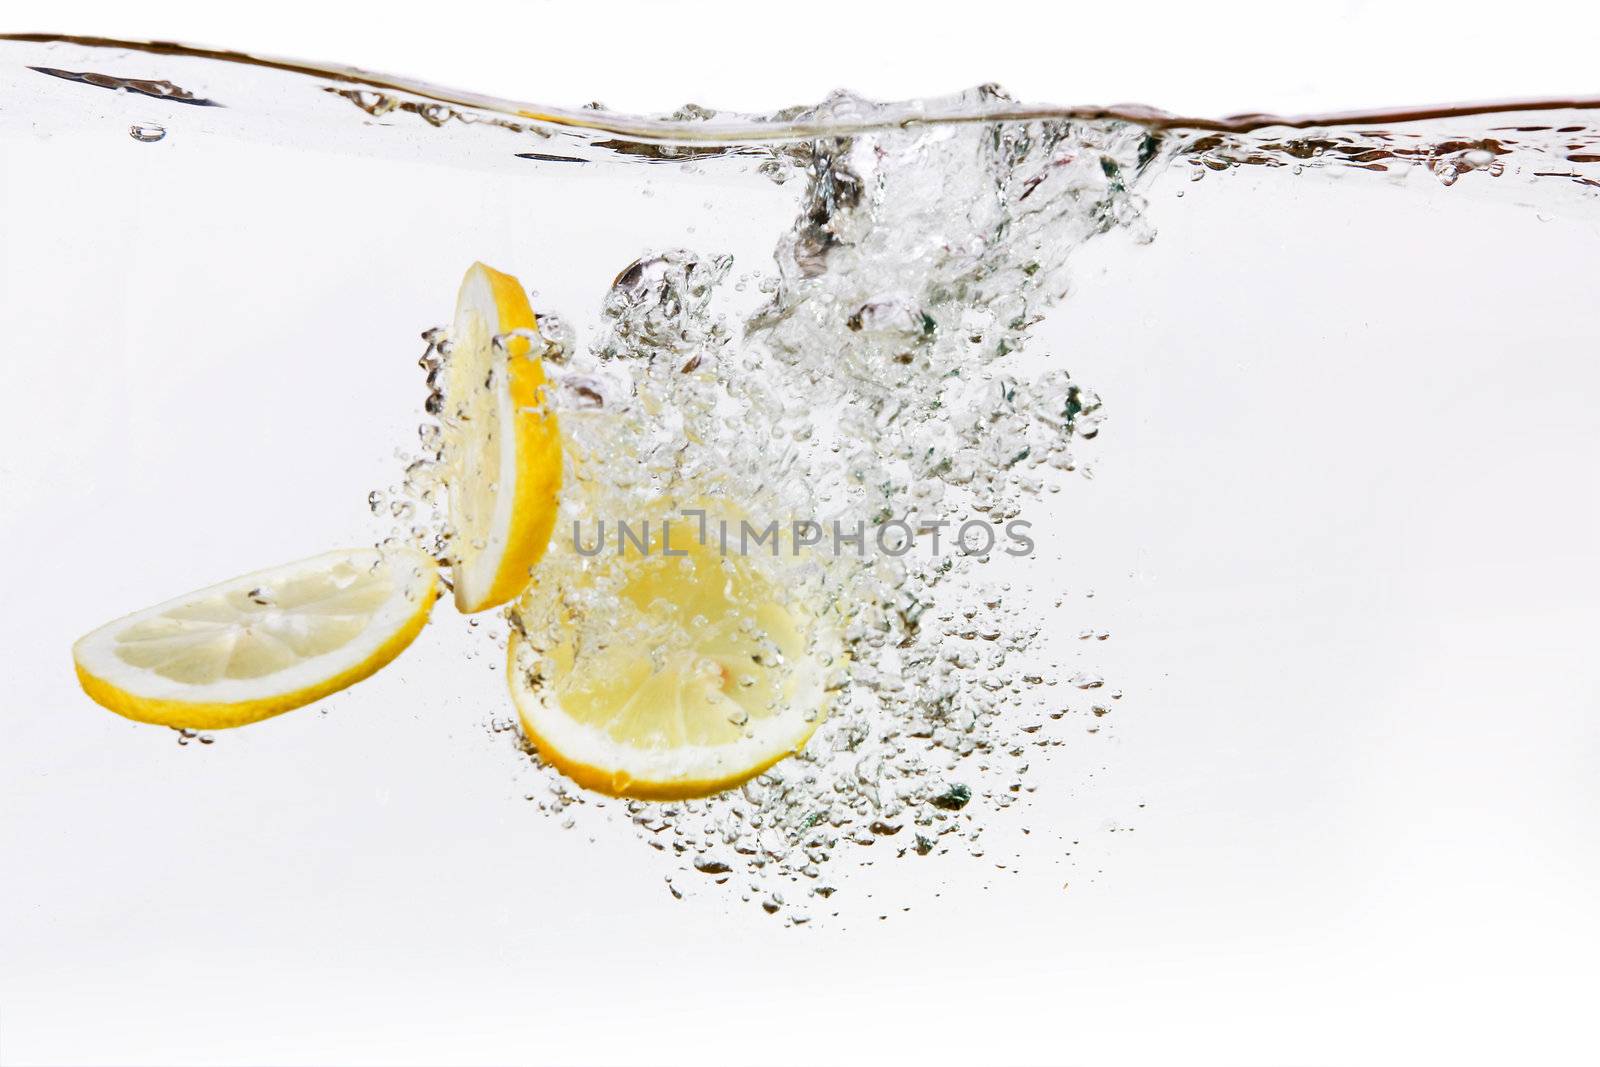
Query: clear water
(1293,693)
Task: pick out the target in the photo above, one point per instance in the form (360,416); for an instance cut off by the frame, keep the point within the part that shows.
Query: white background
(652,55)
(1370,783)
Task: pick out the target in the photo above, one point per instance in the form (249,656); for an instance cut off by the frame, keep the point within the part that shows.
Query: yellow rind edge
(185,715)
(538,484)
(614,784)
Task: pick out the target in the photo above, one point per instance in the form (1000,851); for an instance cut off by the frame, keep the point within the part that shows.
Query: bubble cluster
(880,385)
(887,381)
(413,509)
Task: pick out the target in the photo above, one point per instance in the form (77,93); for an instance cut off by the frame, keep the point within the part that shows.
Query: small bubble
(373,103)
(436,114)
(147,132)
(953,799)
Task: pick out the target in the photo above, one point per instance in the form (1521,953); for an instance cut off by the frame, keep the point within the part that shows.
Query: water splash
(887,376)
(882,383)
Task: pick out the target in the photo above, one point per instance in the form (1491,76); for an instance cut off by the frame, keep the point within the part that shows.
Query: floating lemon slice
(262,644)
(684,677)
(502,446)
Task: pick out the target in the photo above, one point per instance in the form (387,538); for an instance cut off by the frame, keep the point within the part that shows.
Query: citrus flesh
(261,644)
(502,442)
(681,677)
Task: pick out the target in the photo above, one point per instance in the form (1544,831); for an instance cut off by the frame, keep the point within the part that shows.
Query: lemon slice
(262,644)
(684,677)
(502,446)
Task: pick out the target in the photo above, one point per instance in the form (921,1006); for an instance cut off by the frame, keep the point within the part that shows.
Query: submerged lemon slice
(262,644)
(502,446)
(685,677)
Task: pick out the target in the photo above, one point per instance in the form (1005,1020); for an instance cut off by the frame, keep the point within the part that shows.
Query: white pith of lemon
(502,443)
(261,644)
(689,676)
